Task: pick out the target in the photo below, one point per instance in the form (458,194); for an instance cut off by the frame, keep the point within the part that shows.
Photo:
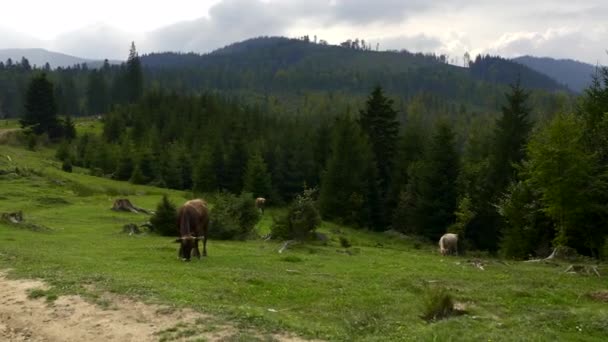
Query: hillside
(576,75)
(316,290)
(281,65)
(40,57)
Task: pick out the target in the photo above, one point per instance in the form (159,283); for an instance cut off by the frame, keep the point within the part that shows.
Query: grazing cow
(193,224)
(259,203)
(448,244)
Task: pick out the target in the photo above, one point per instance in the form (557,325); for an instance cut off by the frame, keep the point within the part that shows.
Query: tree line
(518,185)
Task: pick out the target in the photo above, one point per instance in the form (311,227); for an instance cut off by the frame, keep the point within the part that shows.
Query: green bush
(164,220)
(233,217)
(301,220)
(438,305)
(67,165)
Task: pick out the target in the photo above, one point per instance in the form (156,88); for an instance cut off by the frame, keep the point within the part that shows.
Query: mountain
(576,75)
(40,57)
(282,65)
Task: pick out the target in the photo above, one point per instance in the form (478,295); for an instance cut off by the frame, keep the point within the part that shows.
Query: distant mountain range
(575,75)
(280,64)
(40,57)
(288,56)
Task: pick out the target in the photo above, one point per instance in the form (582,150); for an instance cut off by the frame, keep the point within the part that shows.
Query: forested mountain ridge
(275,63)
(576,75)
(295,76)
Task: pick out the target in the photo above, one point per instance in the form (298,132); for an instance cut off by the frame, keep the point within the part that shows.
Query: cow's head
(185,248)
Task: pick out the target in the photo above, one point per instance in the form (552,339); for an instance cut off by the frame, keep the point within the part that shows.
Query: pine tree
(431,197)
(506,151)
(41,108)
(379,122)
(126,164)
(236,162)
(204,176)
(257,179)
(165,218)
(134,76)
(69,130)
(97,93)
(345,184)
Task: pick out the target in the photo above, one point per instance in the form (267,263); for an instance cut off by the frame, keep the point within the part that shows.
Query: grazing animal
(193,224)
(448,244)
(259,203)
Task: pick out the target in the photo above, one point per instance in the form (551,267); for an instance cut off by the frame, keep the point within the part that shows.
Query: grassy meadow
(374,290)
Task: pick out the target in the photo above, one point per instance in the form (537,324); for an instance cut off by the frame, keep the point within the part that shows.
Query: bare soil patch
(71,318)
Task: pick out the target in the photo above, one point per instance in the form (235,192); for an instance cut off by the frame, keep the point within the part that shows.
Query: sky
(104,29)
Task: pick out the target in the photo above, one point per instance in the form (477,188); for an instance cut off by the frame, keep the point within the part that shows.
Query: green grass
(375,290)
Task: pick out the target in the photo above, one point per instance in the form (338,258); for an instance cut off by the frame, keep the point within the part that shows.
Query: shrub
(233,217)
(67,165)
(438,305)
(164,219)
(344,242)
(301,220)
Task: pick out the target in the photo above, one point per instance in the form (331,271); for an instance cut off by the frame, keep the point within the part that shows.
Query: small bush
(165,218)
(301,220)
(67,165)
(438,305)
(344,242)
(233,217)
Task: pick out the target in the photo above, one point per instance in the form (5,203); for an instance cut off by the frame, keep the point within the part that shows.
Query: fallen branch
(286,245)
(123,204)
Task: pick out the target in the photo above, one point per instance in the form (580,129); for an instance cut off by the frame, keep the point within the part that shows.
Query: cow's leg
(180,251)
(197,252)
(205,245)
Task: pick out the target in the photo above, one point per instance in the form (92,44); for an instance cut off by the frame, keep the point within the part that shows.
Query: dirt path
(71,318)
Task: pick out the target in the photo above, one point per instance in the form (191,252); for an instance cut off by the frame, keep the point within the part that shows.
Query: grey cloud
(94,42)
(364,11)
(558,43)
(414,43)
(12,39)
(229,21)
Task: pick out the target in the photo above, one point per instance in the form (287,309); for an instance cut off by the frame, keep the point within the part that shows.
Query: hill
(282,65)
(576,75)
(322,291)
(40,57)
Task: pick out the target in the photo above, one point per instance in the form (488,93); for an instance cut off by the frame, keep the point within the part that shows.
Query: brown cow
(260,202)
(193,224)
(448,244)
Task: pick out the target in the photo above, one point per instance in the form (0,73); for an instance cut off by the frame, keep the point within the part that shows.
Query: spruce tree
(430,201)
(204,176)
(165,218)
(507,150)
(257,179)
(236,162)
(40,108)
(379,122)
(69,130)
(345,185)
(134,76)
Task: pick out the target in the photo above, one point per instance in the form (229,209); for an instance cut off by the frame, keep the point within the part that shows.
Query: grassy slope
(318,291)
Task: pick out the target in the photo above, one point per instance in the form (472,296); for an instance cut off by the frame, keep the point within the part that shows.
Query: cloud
(414,43)
(554,42)
(12,39)
(95,42)
(385,11)
(229,21)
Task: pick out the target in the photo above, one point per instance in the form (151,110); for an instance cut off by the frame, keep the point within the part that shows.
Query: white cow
(448,244)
